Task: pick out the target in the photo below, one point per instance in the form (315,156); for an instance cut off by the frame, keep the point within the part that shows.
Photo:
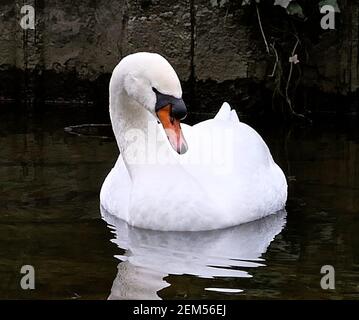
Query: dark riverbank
(215,46)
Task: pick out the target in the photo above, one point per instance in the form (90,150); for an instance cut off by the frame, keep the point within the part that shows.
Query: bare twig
(261,27)
(289,101)
(276,60)
(269,47)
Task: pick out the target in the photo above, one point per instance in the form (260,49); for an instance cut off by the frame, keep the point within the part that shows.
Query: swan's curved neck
(137,134)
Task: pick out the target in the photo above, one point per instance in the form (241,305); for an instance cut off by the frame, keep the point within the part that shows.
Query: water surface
(50,218)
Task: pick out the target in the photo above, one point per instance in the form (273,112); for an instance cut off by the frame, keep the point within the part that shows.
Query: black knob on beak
(178,111)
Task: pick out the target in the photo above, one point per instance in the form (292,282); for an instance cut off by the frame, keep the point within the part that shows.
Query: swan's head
(151,81)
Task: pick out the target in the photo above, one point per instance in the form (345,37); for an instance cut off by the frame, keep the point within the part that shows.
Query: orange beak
(172,127)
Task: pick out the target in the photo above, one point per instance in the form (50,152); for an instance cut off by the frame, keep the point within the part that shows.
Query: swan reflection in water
(150,256)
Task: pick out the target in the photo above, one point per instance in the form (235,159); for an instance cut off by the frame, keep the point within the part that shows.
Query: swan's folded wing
(224,112)
(234,116)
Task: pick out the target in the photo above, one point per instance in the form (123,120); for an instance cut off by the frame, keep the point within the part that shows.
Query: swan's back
(236,167)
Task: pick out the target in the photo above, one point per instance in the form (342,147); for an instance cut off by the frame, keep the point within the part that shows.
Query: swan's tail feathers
(224,113)
(234,116)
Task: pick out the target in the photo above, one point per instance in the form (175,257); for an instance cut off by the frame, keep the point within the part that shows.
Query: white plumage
(227,176)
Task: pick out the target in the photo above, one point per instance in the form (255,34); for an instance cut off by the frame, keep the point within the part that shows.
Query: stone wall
(75,45)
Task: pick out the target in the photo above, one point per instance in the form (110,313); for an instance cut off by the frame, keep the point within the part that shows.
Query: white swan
(218,173)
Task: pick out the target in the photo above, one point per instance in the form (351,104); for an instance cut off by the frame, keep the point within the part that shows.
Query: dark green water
(50,219)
